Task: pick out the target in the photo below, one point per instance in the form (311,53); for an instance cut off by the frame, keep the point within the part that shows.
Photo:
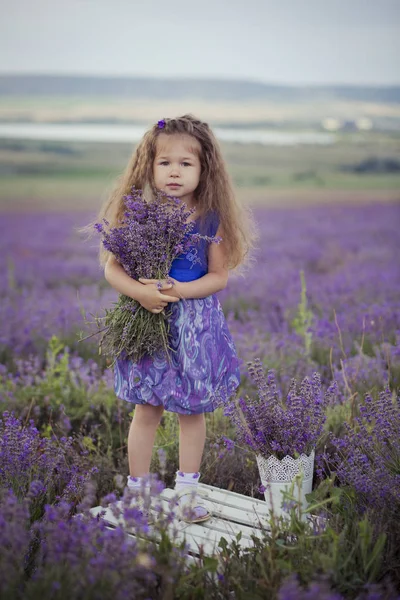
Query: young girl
(182,158)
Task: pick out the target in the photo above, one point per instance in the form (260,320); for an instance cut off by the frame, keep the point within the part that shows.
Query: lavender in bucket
(282,433)
(272,426)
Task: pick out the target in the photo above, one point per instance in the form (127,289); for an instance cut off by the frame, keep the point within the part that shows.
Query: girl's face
(177,168)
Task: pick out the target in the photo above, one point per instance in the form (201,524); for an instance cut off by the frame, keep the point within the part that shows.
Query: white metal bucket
(277,476)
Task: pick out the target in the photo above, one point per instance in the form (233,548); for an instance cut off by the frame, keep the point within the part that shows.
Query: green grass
(60,192)
(80,174)
(52,193)
(312,179)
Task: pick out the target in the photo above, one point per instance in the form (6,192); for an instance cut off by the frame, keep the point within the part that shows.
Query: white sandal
(186,510)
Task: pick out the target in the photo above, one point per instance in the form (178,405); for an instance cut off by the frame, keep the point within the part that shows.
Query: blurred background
(304,96)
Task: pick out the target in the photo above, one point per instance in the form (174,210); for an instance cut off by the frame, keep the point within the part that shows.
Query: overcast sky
(283,41)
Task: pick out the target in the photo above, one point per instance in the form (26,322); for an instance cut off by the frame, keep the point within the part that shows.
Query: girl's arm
(148,296)
(209,284)
(214,281)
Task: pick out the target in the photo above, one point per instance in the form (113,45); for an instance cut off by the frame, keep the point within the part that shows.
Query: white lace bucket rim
(274,469)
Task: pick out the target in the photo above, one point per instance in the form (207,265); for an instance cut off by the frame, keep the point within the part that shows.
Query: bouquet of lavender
(273,427)
(147,240)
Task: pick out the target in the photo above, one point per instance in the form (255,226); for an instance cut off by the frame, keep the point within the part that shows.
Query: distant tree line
(374,164)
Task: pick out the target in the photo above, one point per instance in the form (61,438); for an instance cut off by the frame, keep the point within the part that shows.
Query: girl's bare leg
(142,433)
(192,437)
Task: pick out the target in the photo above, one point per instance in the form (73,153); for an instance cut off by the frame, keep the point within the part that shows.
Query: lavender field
(321,295)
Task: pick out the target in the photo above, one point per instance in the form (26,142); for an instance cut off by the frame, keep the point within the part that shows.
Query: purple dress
(203,371)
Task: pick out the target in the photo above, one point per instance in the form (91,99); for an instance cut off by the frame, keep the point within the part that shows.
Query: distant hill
(204,89)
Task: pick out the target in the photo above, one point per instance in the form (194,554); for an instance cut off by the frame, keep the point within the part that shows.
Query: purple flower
(367,455)
(161,124)
(229,444)
(39,469)
(272,426)
(320,589)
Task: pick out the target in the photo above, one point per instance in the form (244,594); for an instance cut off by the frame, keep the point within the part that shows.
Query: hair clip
(161,124)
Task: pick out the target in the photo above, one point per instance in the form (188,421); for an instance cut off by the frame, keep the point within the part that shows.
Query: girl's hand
(151,297)
(173,286)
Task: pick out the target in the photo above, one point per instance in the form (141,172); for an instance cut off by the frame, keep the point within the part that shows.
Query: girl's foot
(191,508)
(141,489)
(146,511)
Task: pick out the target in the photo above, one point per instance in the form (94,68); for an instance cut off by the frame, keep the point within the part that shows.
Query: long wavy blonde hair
(214,192)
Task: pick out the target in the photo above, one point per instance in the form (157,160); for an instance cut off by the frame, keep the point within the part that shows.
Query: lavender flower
(367,456)
(317,590)
(15,541)
(150,236)
(270,426)
(39,468)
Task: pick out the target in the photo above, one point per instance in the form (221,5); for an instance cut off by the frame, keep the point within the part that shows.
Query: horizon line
(211,78)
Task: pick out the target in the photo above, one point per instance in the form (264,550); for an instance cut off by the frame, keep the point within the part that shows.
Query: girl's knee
(191,420)
(146,414)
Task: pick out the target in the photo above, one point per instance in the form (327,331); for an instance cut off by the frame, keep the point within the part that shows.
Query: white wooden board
(232,513)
